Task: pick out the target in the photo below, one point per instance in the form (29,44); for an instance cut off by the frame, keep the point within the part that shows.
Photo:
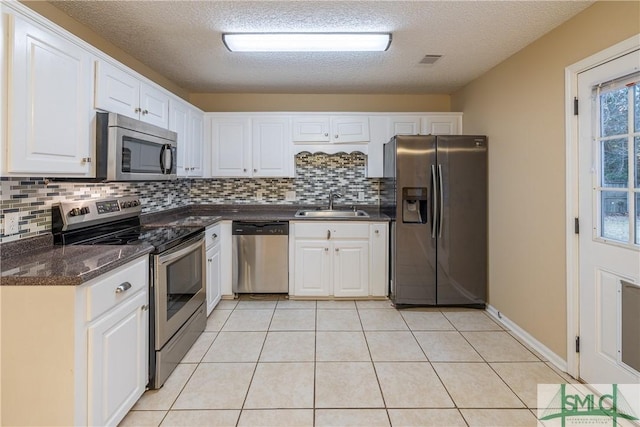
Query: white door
(116,90)
(350,269)
(50,83)
(609,209)
(231,147)
(272,147)
(117,354)
(179,123)
(154,105)
(196,122)
(312,269)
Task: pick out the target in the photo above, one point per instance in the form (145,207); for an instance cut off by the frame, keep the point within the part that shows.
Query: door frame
(572,182)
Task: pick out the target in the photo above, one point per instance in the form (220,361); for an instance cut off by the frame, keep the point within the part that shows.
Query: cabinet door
(404,125)
(379,259)
(312,275)
(350,268)
(271,146)
(214,290)
(50,122)
(117,361)
(179,123)
(346,129)
(116,90)
(196,124)
(231,147)
(442,124)
(154,105)
(311,129)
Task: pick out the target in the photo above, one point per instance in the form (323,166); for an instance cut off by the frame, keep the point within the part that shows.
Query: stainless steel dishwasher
(260,257)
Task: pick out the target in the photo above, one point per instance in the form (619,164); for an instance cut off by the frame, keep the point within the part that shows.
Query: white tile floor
(277,362)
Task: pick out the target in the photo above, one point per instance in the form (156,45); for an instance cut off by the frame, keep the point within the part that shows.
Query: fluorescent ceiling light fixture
(307,42)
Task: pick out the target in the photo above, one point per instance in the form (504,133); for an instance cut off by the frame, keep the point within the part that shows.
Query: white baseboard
(528,339)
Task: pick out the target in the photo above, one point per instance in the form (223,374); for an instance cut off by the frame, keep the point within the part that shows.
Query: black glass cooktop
(162,238)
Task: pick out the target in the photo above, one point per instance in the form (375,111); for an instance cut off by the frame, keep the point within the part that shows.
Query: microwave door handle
(162,159)
(168,152)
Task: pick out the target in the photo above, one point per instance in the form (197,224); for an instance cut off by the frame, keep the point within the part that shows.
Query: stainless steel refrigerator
(435,191)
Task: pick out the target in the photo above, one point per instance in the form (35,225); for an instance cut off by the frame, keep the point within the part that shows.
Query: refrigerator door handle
(441,216)
(434,200)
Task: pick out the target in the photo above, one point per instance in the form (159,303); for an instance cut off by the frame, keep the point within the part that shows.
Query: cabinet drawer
(332,230)
(212,235)
(103,294)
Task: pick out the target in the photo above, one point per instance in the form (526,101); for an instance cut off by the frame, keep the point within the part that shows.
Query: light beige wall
(519,104)
(85,33)
(218,102)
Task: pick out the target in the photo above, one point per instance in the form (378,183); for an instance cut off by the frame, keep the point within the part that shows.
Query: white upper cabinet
(404,125)
(187,122)
(120,92)
(245,146)
(441,124)
(231,146)
(271,147)
(330,129)
(50,125)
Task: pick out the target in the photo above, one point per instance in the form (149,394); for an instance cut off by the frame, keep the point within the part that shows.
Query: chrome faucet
(332,197)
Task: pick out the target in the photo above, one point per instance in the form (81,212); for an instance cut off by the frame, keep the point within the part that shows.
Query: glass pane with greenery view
(636,103)
(615,163)
(614,112)
(637,162)
(615,216)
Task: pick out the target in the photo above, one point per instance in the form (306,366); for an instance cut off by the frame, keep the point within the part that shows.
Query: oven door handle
(181,250)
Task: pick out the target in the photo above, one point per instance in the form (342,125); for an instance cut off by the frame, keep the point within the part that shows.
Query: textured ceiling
(182,40)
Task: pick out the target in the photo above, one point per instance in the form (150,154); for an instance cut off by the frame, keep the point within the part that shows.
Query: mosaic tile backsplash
(316,175)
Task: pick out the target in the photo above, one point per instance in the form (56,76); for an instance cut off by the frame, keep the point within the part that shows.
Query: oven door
(141,157)
(179,287)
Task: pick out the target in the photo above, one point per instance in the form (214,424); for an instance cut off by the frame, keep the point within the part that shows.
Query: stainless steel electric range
(176,278)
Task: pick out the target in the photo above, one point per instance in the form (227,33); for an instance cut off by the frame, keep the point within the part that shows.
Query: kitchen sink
(331,213)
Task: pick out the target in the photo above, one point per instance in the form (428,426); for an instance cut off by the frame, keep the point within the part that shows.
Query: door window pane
(637,218)
(636,103)
(636,152)
(614,112)
(615,216)
(615,163)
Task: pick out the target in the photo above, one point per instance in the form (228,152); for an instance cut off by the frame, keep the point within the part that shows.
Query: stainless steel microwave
(131,150)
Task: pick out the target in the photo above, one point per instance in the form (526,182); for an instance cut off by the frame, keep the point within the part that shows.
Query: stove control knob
(75,212)
(84,210)
(135,203)
(126,204)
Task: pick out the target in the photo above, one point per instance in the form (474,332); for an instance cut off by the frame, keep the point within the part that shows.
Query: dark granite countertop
(52,265)
(38,262)
(205,215)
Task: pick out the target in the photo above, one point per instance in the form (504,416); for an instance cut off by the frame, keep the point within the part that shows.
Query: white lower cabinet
(90,365)
(213,236)
(335,259)
(117,374)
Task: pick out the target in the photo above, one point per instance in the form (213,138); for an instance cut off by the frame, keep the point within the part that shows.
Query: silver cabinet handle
(123,287)
(336,137)
(326,134)
(244,170)
(137,110)
(145,111)
(215,236)
(145,307)
(86,160)
(326,249)
(328,234)
(255,170)
(337,250)
(209,259)
(377,231)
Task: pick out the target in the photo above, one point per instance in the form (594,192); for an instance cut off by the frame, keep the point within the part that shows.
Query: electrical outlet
(11,225)
(360,196)
(259,195)
(169,199)
(290,196)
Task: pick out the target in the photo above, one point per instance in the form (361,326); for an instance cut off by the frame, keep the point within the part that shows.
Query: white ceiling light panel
(307,42)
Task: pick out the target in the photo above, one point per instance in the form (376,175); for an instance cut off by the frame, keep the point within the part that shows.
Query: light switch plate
(259,195)
(290,196)
(11,220)
(360,195)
